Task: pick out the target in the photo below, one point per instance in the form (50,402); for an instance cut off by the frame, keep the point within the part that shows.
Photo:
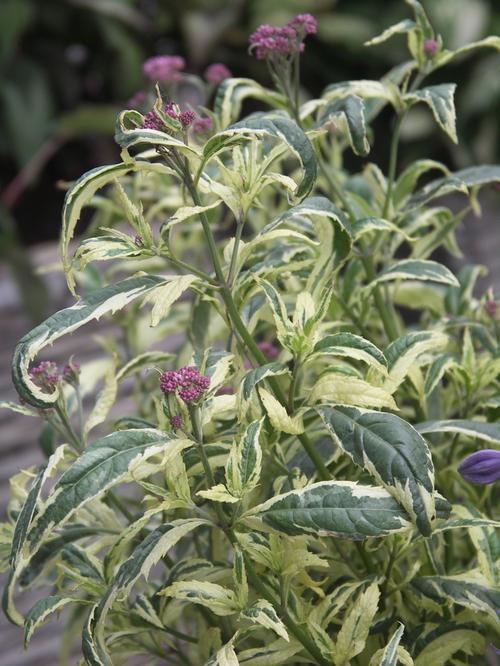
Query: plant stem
(383,589)
(390,324)
(231,276)
(393,159)
(293,387)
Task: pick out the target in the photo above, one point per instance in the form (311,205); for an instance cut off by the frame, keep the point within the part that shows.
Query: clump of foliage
(288,489)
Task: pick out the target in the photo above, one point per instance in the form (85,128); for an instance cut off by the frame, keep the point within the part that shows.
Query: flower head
(176,422)
(216,73)
(481,466)
(202,125)
(187,383)
(153,121)
(164,68)
(45,374)
(71,372)
(304,24)
(282,43)
(430,47)
(491,307)
(186,118)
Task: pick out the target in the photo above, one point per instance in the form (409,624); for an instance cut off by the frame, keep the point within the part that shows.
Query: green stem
(190,269)
(388,319)
(383,589)
(364,558)
(293,387)
(70,433)
(393,160)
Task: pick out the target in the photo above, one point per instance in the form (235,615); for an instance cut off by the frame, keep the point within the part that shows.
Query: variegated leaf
(331,508)
(261,612)
(123,455)
(440,100)
(102,301)
(392,451)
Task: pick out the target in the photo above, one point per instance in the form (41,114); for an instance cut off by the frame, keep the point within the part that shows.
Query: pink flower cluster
(216,73)
(270,41)
(491,307)
(185,117)
(164,68)
(71,371)
(45,375)
(154,122)
(186,382)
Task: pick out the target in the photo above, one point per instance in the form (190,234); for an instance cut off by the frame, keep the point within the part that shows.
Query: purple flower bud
(171,111)
(176,422)
(138,241)
(481,466)
(186,382)
(216,73)
(164,68)
(491,307)
(187,117)
(45,374)
(153,121)
(71,372)
(169,380)
(430,47)
(202,125)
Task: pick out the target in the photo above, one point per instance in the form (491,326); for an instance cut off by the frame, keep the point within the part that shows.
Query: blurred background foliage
(68,66)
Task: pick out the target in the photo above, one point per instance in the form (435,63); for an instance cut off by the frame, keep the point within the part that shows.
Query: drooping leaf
(335,387)
(438,645)
(331,508)
(352,346)
(417,269)
(462,590)
(81,193)
(349,112)
(163,296)
(102,301)
(146,360)
(392,451)
(119,456)
(232,92)
(440,100)
(489,432)
(41,610)
(218,599)
(461,181)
